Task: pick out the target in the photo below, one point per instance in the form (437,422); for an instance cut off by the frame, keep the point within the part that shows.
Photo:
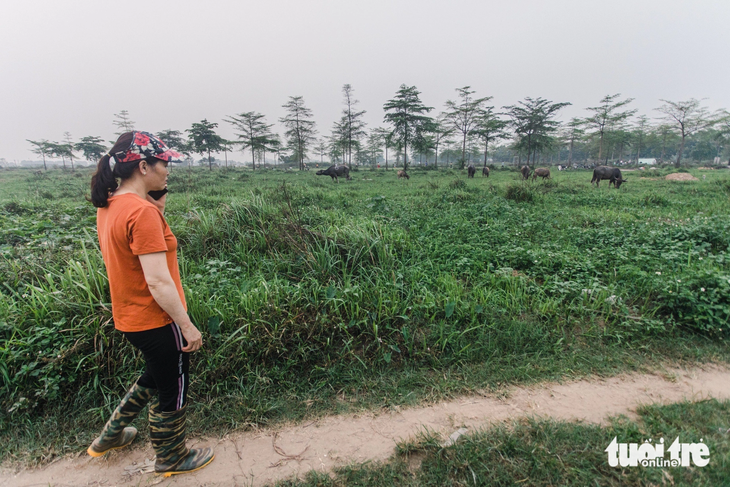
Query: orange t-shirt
(128,227)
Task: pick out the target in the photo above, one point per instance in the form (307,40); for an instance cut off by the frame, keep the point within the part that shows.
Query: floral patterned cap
(145,145)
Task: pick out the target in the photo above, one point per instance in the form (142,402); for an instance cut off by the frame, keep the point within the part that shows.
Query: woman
(148,303)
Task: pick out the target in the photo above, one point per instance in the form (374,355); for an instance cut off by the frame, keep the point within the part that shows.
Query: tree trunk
(210,162)
(486,148)
(600,147)
(463,151)
(681,149)
(570,154)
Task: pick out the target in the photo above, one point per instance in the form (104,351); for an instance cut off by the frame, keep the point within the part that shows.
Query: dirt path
(255,458)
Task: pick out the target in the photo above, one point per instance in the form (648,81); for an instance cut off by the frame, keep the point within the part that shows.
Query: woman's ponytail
(104,180)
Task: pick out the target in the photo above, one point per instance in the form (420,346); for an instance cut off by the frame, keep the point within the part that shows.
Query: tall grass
(307,289)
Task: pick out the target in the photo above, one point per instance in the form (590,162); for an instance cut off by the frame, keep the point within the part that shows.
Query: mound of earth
(680,176)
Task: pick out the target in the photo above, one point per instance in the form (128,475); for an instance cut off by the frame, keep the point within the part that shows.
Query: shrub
(520,193)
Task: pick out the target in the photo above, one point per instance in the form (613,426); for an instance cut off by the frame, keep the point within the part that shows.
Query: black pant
(167,365)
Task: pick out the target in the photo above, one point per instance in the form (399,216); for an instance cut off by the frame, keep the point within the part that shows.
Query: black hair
(104,180)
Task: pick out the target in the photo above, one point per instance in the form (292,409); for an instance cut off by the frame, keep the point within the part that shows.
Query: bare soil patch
(264,456)
(680,176)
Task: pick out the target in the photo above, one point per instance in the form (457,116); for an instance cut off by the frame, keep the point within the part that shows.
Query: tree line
(466,129)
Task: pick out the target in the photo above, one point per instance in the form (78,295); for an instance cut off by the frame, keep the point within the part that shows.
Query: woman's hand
(158,203)
(163,290)
(193,337)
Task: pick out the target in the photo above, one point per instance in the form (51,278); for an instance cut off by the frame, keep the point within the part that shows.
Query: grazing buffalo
(613,174)
(542,172)
(485,171)
(336,171)
(525,170)
(470,171)
(403,174)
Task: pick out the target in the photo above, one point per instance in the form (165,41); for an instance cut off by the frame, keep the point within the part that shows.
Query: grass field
(317,297)
(548,453)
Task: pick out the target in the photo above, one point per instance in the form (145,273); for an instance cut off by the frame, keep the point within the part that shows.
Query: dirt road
(256,458)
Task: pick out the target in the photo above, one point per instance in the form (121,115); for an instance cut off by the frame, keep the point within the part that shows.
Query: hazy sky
(70,65)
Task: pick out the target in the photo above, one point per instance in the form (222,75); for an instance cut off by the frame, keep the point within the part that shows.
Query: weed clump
(457,184)
(654,199)
(520,193)
(14,208)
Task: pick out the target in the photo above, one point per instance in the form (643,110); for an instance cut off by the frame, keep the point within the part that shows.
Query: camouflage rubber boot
(167,433)
(116,434)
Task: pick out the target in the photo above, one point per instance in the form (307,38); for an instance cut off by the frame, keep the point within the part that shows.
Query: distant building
(647,160)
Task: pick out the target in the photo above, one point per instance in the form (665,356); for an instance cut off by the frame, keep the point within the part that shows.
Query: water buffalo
(542,172)
(336,171)
(403,174)
(525,170)
(613,174)
(470,171)
(485,171)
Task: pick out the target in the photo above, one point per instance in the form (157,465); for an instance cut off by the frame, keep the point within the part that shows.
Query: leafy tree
(334,146)
(607,115)
(665,133)
(122,122)
(92,147)
(384,138)
(338,139)
(70,147)
(204,139)
(253,133)
(640,130)
(174,140)
(62,150)
(573,132)
(405,112)
(301,130)
(321,149)
(463,114)
(441,130)
(488,128)
(532,121)
(42,148)
(353,126)
(374,143)
(688,117)
(619,139)
(724,131)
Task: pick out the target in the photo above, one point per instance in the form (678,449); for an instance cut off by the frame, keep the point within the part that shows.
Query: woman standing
(148,303)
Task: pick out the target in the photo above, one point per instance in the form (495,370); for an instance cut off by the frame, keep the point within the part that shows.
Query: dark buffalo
(403,174)
(485,171)
(470,171)
(525,170)
(336,171)
(542,172)
(613,174)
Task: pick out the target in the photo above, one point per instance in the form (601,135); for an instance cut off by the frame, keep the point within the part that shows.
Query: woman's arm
(163,290)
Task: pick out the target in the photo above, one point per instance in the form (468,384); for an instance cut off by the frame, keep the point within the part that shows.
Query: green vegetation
(317,297)
(546,453)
